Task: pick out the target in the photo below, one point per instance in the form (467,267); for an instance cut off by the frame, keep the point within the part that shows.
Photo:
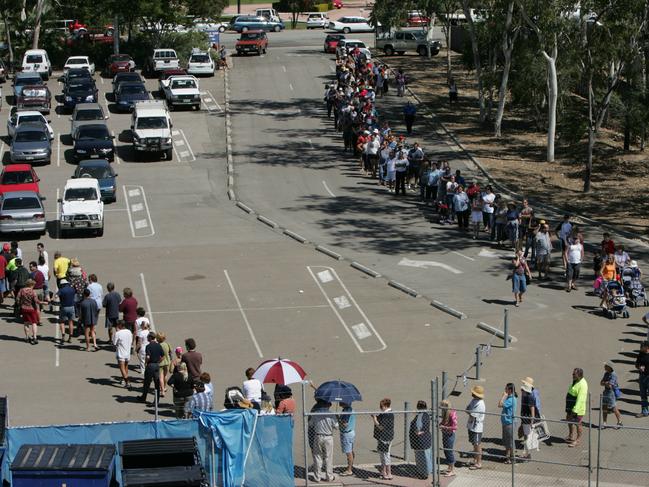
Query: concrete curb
(295,236)
(447,309)
(245,208)
(231,195)
(365,269)
(403,288)
(494,331)
(267,221)
(329,252)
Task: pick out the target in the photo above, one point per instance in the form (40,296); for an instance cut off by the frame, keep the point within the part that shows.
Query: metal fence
(605,456)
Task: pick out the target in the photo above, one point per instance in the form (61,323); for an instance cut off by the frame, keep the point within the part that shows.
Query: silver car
(22,211)
(84,114)
(31,144)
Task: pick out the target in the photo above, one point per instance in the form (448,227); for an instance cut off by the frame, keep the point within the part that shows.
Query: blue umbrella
(338,391)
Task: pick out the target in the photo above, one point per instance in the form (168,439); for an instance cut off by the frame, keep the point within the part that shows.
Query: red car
(119,63)
(338,3)
(331,42)
(417,19)
(255,41)
(18,177)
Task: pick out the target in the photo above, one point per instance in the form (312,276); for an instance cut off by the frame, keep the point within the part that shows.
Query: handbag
(541,430)
(528,279)
(617,392)
(532,441)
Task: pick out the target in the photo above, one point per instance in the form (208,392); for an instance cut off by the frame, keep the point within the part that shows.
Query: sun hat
(478,391)
(64,281)
(179,350)
(528,384)
(609,365)
(634,264)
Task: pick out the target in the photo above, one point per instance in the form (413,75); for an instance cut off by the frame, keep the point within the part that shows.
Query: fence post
(599,441)
(306,436)
(155,402)
(444,380)
(590,446)
(477,363)
(513,446)
(406,405)
(506,328)
(435,432)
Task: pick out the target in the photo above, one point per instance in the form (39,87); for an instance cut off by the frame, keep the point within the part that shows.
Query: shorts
(124,360)
(573,271)
(476,217)
(475,438)
(572,417)
(519,284)
(347,442)
(3,285)
(391,176)
(67,314)
(110,322)
(30,315)
(40,294)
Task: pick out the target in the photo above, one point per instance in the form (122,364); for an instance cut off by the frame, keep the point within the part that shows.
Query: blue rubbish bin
(69,465)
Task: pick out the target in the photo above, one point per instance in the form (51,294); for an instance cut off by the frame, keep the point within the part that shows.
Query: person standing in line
(39,282)
(128,308)
(96,292)
(153,355)
(284,402)
(17,251)
(347,425)
(421,441)
(476,410)
(200,400)
(183,388)
(206,379)
(322,426)
(576,400)
(448,425)
(508,404)
(564,229)
(409,113)
(520,272)
(253,390)
(642,365)
(476,216)
(391,170)
(110,303)
(40,248)
(401,168)
(123,341)
(44,268)
(512,216)
(525,214)
(67,312)
(28,305)
(574,258)
(141,341)
(488,198)
(530,411)
(609,396)
(165,362)
(384,434)
(88,313)
(193,359)
(415,159)
(543,246)
(61,266)
(461,207)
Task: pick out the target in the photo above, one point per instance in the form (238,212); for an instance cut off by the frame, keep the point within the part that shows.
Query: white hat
(634,264)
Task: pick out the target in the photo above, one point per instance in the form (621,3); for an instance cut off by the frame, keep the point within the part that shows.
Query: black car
(128,93)
(94,141)
(79,91)
(77,74)
(125,77)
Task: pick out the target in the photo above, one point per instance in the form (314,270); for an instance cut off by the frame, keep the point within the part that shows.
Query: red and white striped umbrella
(279,371)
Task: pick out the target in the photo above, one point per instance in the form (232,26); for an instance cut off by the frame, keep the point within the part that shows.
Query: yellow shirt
(61,267)
(579,390)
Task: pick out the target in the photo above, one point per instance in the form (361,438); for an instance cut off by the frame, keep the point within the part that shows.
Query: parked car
(417,19)
(244,23)
(3,72)
(79,91)
(351,24)
(131,77)
(19,177)
(128,93)
(85,114)
(81,207)
(37,61)
(22,212)
(254,41)
(80,62)
(19,117)
(348,45)
(35,97)
(401,41)
(76,74)
(181,90)
(268,13)
(101,170)
(31,143)
(331,42)
(160,60)
(94,141)
(119,63)
(151,128)
(200,62)
(338,4)
(25,79)
(317,20)
(206,25)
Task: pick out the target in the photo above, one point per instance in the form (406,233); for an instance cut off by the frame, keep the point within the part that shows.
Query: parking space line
(141,225)
(58,195)
(58,151)
(101,79)
(243,314)
(130,218)
(324,183)
(188,146)
(146,300)
(214,100)
(290,86)
(219,310)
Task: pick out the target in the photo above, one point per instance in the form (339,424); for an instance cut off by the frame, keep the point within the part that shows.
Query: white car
(81,207)
(351,24)
(19,117)
(200,62)
(37,61)
(181,90)
(318,20)
(203,25)
(82,62)
(346,46)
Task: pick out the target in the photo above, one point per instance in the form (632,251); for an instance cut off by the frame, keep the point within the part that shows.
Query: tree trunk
(589,160)
(553,89)
(627,133)
(40,5)
(448,53)
(476,58)
(9,44)
(507,48)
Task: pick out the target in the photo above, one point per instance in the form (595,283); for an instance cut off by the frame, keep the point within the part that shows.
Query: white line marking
(325,276)
(361,331)
(207,99)
(217,310)
(130,218)
(175,132)
(203,92)
(342,302)
(141,224)
(188,145)
(184,153)
(179,142)
(101,78)
(58,151)
(324,183)
(134,192)
(290,86)
(428,263)
(57,360)
(488,253)
(284,68)
(243,314)
(2,149)
(332,68)
(310,143)
(462,255)
(58,208)
(214,100)
(58,112)
(148,213)
(148,303)
(136,207)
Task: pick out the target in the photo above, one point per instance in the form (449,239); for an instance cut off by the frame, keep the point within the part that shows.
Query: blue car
(101,170)
(128,93)
(244,23)
(79,91)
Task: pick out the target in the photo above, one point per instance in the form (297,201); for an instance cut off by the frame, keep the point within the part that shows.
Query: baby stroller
(615,300)
(633,288)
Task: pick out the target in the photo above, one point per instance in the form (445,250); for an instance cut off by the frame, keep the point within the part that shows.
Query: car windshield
(80,194)
(165,54)
(78,73)
(200,58)
(23,203)
(31,136)
(28,81)
(152,123)
(94,114)
(354,44)
(96,172)
(251,36)
(93,133)
(132,89)
(17,177)
(77,61)
(120,58)
(31,118)
(34,58)
(183,83)
(127,77)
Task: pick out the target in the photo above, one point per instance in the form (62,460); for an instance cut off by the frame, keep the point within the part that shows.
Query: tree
(510,32)
(445,10)
(477,63)
(389,13)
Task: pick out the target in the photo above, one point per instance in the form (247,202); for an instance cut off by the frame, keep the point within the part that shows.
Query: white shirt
(574,253)
(488,200)
(45,270)
(138,325)
(46,257)
(252,390)
(373,146)
(391,164)
(476,410)
(96,293)
(621,259)
(123,339)
(143,336)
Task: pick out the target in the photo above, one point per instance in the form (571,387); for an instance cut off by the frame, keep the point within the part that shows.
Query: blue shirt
(67,295)
(350,419)
(509,406)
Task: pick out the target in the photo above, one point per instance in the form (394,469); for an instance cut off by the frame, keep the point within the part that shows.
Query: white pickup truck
(161,60)
(151,128)
(81,207)
(181,90)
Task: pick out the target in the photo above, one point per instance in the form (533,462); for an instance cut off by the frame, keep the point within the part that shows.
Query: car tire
(422,51)
(100,232)
(401,53)
(169,154)
(222,29)
(388,50)
(277,28)
(244,29)
(346,30)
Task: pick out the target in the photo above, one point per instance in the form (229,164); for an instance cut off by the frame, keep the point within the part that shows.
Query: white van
(270,13)
(37,61)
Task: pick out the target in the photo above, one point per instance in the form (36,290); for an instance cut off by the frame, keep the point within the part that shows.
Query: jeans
(424,462)
(644,391)
(448,442)
(463,218)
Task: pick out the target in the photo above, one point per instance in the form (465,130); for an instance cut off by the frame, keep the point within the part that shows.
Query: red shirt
(128,307)
(39,279)
(3,266)
(608,247)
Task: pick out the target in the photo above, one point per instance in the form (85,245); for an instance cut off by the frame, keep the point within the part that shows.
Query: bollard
(406,404)
(155,396)
(477,363)
(506,328)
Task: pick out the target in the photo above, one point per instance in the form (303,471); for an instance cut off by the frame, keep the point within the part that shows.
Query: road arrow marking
(428,263)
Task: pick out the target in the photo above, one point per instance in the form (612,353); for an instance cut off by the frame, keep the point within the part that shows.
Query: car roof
(93,125)
(85,58)
(27,75)
(131,83)
(20,194)
(35,51)
(348,41)
(28,113)
(88,106)
(80,183)
(17,168)
(30,127)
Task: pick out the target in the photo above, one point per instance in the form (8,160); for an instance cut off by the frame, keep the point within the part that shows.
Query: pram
(633,287)
(615,300)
